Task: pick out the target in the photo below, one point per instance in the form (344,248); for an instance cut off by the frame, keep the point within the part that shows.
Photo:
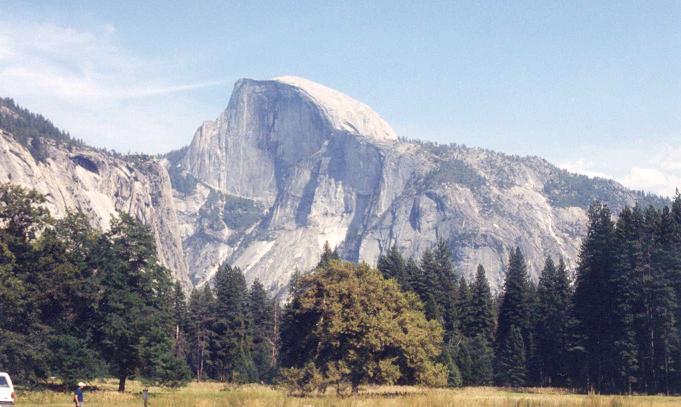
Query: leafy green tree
(23,346)
(352,326)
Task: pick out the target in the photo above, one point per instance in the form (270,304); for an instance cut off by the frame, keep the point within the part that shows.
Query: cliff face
(291,164)
(99,184)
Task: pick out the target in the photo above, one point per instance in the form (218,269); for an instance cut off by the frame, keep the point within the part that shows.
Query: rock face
(100,184)
(291,164)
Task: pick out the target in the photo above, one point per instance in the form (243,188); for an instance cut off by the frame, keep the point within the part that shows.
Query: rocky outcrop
(99,184)
(290,165)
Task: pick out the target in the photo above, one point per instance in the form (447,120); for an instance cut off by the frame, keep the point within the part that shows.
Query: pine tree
(180,316)
(514,312)
(626,284)
(328,255)
(593,299)
(200,320)
(666,268)
(262,311)
(437,287)
(463,309)
(481,311)
(232,330)
(135,313)
(482,359)
(392,265)
(427,287)
(511,360)
(551,325)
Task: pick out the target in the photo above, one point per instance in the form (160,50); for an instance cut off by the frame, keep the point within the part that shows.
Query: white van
(7,395)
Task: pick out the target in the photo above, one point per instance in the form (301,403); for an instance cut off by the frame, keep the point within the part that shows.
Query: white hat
(81,384)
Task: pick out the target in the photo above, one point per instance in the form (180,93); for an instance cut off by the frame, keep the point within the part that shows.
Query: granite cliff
(291,164)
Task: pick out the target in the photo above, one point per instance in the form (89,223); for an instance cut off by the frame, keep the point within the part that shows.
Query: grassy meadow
(218,394)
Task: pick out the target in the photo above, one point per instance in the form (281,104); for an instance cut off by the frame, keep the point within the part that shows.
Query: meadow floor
(217,394)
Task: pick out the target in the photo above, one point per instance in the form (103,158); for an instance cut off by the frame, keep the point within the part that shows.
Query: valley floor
(217,394)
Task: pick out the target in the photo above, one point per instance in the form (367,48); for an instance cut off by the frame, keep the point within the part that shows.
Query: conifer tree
(232,336)
(551,325)
(180,316)
(392,265)
(666,267)
(511,360)
(262,311)
(135,309)
(482,359)
(626,283)
(437,287)
(593,299)
(427,287)
(481,311)
(514,312)
(463,308)
(200,321)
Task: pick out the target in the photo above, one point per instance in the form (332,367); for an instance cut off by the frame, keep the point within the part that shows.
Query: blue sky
(594,87)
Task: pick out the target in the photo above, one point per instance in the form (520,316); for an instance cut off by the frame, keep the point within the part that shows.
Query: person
(78,397)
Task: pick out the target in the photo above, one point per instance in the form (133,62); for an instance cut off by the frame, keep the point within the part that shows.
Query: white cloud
(583,166)
(86,83)
(655,169)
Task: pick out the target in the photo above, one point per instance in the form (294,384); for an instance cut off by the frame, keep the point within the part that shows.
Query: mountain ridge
(281,171)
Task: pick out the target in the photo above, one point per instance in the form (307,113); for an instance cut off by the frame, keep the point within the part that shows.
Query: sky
(594,87)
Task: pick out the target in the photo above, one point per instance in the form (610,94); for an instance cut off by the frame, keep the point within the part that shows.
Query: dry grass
(217,394)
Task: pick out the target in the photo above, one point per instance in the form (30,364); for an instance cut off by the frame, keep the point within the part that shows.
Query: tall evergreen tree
(666,270)
(232,338)
(511,360)
(593,299)
(392,265)
(464,299)
(135,312)
(514,312)
(200,321)
(482,319)
(551,325)
(180,317)
(262,311)
(437,287)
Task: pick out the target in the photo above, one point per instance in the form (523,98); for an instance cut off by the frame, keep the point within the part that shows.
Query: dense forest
(78,303)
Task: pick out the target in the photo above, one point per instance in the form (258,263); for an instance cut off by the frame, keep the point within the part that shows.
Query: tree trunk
(199,371)
(121,383)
